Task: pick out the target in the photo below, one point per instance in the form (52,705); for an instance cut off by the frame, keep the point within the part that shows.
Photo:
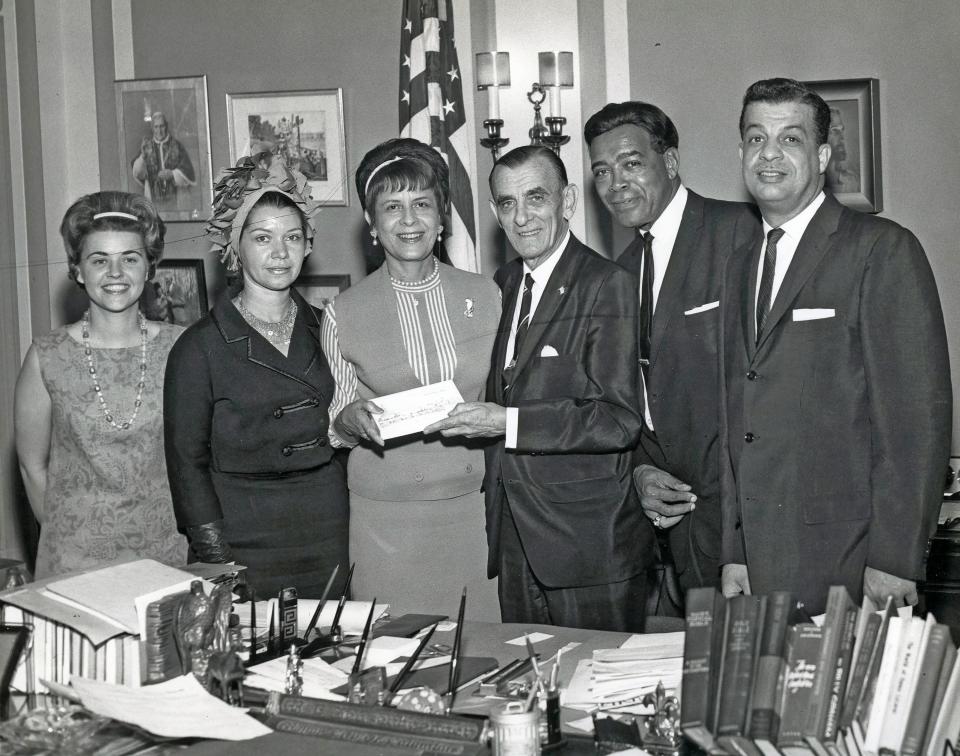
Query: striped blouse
(422,312)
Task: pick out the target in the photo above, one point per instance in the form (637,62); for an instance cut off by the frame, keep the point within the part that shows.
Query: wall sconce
(493,72)
(556,71)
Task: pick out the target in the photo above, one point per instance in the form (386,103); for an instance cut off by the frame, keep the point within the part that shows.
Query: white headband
(373,173)
(116,214)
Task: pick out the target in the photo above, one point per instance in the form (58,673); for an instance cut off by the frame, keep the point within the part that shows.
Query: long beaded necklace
(138,402)
(279,332)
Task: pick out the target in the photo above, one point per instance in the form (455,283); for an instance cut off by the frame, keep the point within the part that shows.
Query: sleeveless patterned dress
(107,494)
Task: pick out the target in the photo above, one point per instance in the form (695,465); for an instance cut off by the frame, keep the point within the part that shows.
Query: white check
(411,411)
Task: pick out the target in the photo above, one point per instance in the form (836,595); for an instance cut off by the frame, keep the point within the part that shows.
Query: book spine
(858,673)
(904,684)
(700,619)
(841,675)
(771,663)
(881,695)
(949,658)
(837,600)
(798,685)
(928,675)
(740,639)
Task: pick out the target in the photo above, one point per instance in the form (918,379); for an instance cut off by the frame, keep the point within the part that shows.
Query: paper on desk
(413,410)
(655,645)
(352,620)
(522,640)
(319,678)
(178,708)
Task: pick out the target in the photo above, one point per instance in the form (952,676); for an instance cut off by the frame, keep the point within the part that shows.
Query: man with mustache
(837,413)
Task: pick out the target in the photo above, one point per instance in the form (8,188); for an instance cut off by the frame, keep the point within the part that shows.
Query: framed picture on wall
(305,127)
(854,174)
(164,135)
(177,293)
(320,290)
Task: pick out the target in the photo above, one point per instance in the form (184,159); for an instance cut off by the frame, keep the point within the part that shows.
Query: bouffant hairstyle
(402,164)
(112,211)
(789,90)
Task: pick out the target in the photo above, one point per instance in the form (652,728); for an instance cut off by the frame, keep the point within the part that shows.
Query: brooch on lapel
(468,307)
(562,290)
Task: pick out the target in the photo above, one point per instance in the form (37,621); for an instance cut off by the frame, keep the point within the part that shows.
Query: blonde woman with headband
(88,404)
(253,476)
(417,514)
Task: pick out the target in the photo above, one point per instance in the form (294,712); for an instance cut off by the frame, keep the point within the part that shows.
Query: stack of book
(760,681)
(91,623)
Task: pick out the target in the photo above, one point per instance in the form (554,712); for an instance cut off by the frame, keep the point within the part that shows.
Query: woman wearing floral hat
(246,398)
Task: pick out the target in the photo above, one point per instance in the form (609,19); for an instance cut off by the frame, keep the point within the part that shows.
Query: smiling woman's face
(272,247)
(113,269)
(407,223)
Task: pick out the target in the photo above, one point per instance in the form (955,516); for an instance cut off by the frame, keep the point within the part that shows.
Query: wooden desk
(479,639)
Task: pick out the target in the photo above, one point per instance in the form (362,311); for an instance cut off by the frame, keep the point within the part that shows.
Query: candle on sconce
(556,70)
(493,72)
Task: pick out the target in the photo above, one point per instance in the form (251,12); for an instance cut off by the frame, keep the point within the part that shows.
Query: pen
(253,626)
(402,675)
(358,664)
(323,600)
(455,658)
(343,600)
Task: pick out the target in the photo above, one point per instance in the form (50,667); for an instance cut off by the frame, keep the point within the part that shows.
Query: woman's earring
(374,236)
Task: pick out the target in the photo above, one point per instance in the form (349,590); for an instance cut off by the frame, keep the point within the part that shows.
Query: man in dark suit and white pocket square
(634,154)
(565,531)
(837,393)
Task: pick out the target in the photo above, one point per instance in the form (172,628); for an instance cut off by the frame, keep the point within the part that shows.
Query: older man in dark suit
(682,243)
(565,531)
(836,423)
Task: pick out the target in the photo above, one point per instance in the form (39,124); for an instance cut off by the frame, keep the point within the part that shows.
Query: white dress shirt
(541,274)
(664,230)
(786,248)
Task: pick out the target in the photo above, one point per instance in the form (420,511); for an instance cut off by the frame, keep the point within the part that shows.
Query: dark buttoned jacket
(235,405)
(684,373)
(568,481)
(836,424)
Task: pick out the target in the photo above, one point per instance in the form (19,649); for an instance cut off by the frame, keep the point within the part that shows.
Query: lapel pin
(562,290)
(468,307)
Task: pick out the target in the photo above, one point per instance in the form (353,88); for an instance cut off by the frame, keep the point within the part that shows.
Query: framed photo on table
(854,174)
(306,128)
(177,293)
(320,290)
(164,136)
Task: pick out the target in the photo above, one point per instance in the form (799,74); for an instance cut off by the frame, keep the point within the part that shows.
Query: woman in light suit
(417,513)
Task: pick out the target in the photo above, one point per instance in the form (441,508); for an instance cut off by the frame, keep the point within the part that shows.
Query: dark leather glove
(208,544)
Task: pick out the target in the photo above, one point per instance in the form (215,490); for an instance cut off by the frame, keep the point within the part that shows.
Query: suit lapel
(303,354)
(510,291)
(813,246)
(554,294)
(746,282)
(682,256)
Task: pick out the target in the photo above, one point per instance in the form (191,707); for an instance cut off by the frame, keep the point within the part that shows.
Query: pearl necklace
(138,402)
(280,332)
(429,277)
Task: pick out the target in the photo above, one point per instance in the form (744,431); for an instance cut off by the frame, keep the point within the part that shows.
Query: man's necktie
(766,278)
(523,323)
(645,324)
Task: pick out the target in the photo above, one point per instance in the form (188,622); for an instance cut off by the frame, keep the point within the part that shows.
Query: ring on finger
(656,521)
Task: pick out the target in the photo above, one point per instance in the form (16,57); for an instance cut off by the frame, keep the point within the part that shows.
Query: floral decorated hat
(237,191)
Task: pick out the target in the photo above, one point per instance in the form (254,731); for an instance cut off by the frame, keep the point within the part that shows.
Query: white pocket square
(549,351)
(813,313)
(703,308)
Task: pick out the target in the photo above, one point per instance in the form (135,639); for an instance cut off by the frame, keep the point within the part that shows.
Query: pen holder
(368,687)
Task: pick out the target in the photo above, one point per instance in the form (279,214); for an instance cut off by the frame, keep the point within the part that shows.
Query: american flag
(431,110)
